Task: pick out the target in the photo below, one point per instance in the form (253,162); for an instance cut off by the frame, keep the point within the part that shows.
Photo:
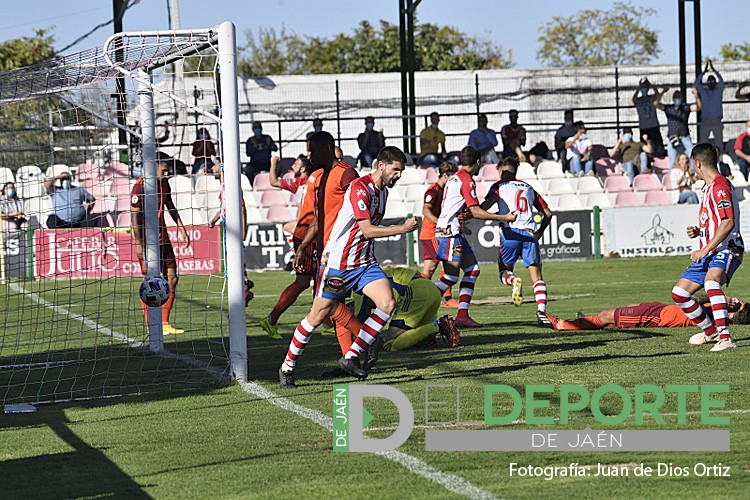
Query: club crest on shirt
(703,217)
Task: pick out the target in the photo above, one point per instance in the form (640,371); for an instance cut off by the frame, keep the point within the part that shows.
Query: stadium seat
(616,183)
(273,198)
(605,167)
(646,182)
(29,172)
(396,193)
(245,183)
(410,176)
(698,185)
(414,192)
(525,171)
(627,199)
(489,173)
(30,188)
(431,176)
(87,171)
(483,187)
(123,220)
(183,200)
(56,170)
(254,215)
(38,208)
(206,183)
(600,200)
(396,210)
(549,170)
(6,175)
(181,184)
(120,186)
(660,166)
(278,213)
(569,202)
(559,186)
(666,182)
(261,182)
(739,181)
(538,186)
(116,169)
(417,207)
(588,185)
(656,199)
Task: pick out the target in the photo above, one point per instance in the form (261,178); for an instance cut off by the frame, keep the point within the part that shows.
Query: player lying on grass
(414,322)
(649,315)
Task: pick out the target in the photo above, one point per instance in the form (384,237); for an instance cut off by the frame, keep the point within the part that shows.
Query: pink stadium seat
(627,199)
(656,199)
(431,176)
(616,184)
(646,182)
(489,173)
(261,182)
(273,198)
(117,168)
(605,167)
(660,166)
(482,189)
(666,182)
(278,213)
(87,171)
(119,186)
(289,175)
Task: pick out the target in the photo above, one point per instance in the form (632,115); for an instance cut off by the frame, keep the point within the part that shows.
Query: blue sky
(513,24)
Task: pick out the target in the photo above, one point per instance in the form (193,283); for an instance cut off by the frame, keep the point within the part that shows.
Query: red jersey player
(168,263)
(520,238)
(433,199)
(454,250)
(297,185)
(348,264)
(719,255)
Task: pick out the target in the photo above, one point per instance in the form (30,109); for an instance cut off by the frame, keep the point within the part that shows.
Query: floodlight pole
(683,44)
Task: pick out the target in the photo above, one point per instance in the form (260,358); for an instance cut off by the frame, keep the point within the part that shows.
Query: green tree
(26,50)
(369,49)
(732,52)
(597,37)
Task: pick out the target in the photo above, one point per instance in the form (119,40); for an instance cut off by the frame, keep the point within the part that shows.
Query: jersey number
(522,204)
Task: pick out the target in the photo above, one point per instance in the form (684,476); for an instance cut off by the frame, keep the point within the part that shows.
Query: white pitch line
(450,482)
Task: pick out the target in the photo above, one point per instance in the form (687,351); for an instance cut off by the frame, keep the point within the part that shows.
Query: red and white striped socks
(540,295)
(507,277)
(693,310)
(299,340)
(466,291)
(718,307)
(370,330)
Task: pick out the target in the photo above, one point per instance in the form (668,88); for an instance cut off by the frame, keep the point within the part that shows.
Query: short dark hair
(510,163)
(306,164)
(470,155)
(513,111)
(579,125)
(568,111)
(434,113)
(447,168)
(627,129)
(369,119)
(257,124)
(705,152)
(391,154)
(322,138)
(742,317)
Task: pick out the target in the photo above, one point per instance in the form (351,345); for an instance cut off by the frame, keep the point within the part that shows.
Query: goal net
(85,141)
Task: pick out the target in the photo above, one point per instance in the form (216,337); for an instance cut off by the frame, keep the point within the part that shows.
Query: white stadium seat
(549,170)
(409,176)
(525,171)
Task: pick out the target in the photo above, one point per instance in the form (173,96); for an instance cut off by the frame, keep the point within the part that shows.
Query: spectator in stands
(317,125)
(742,150)
(648,122)
(485,140)
(566,131)
(135,141)
(370,143)
(71,204)
(677,113)
(538,153)
(258,148)
(632,154)
(739,94)
(683,179)
(12,207)
(203,151)
(579,152)
(513,136)
(430,140)
(338,153)
(712,94)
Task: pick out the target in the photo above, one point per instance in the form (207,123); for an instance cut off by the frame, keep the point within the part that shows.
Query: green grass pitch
(218,441)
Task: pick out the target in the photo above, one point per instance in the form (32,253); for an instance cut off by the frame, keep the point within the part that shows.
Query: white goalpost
(80,136)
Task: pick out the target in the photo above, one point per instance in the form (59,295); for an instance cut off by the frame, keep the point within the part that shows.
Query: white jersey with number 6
(520,197)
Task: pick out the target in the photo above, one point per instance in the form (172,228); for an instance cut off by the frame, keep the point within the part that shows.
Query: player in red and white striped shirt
(520,238)
(719,254)
(454,250)
(348,264)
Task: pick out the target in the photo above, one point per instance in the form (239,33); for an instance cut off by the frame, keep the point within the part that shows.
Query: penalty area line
(417,466)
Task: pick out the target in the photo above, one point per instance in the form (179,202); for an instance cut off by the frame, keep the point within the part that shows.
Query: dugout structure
(72,323)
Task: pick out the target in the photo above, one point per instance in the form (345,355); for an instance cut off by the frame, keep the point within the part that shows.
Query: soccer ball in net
(154,291)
